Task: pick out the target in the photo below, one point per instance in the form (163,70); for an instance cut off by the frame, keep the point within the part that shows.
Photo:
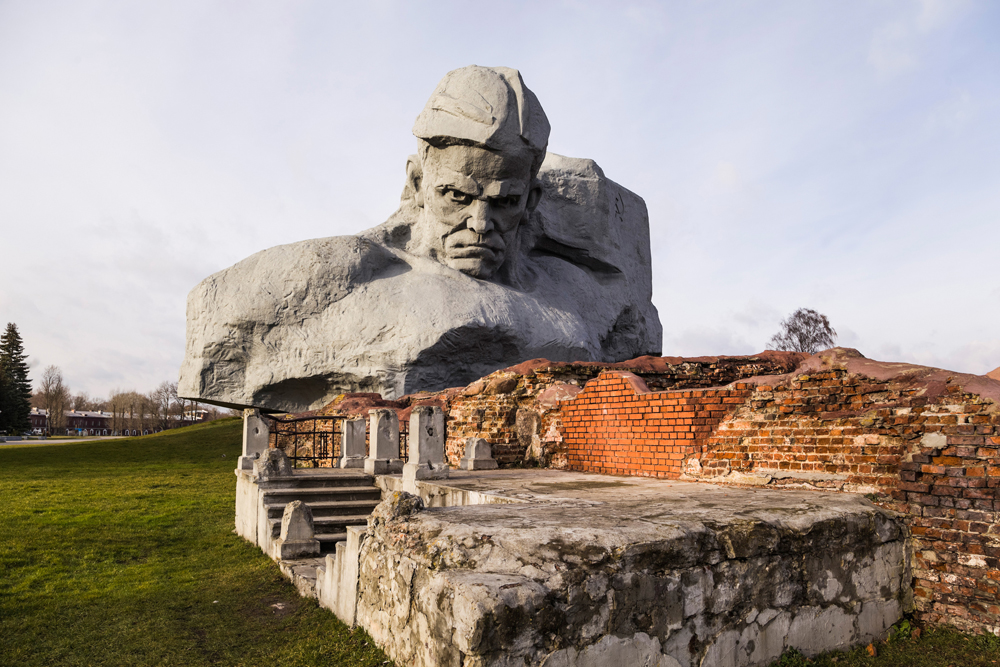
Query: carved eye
(506,202)
(457,196)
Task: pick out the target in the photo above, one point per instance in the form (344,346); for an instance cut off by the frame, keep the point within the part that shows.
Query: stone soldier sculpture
(498,253)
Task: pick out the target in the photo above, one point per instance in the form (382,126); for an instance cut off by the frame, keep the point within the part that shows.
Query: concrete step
(316,480)
(329,494)
(328,541)
(337,500)
(326,525)
(322,508)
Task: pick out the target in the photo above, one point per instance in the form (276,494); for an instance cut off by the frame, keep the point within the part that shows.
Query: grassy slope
(122,553)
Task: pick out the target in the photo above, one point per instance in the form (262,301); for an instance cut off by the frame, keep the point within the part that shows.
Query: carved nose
(479,218)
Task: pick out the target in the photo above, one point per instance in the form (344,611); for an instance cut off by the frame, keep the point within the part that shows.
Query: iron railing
(404,439)
(309,442)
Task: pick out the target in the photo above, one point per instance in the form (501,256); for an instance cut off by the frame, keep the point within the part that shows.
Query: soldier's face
(474,200)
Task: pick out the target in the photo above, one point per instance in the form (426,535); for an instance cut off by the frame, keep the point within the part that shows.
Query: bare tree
(804,331)
(161,399)
(83,401)
(179,405)
(118,406)
(55,397)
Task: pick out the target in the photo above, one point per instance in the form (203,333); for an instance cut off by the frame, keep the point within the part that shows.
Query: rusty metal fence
(314,442)
(404,439)
(309,442)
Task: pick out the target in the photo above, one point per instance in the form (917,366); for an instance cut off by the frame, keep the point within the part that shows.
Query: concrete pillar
(383,443)
(478,455)
(256,433)
(426,445)
(352,443)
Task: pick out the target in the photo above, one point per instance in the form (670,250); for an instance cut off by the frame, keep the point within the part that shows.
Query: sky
(841,155)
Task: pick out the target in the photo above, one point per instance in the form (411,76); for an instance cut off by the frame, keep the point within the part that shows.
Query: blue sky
(841,156)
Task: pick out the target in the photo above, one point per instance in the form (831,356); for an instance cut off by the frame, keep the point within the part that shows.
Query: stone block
(352,443)
(427,457)
(298,535)
(815,630)
(478,455)
(271,464)
(383,443)
(256,432)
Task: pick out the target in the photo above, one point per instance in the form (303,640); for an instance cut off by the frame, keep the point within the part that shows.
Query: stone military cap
(486,106)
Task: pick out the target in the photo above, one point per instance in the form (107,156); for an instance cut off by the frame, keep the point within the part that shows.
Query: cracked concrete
(577,569)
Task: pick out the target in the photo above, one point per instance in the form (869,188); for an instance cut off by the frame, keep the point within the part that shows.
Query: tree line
(130,410)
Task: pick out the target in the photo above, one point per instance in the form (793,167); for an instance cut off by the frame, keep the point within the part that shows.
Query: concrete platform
(542,567)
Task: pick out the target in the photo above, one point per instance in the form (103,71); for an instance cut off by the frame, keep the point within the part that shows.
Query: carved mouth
(474,251)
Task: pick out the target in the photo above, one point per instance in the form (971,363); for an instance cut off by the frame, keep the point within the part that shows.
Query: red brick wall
(932,454)
(616,425)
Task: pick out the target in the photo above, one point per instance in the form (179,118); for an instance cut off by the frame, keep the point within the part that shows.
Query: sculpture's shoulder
(303,277)
(589,220)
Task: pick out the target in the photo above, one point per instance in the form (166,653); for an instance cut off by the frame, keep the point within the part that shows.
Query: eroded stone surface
(683,574)
(298,534)
(272,463)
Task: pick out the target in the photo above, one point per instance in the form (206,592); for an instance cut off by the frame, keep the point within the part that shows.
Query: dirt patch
(273,606)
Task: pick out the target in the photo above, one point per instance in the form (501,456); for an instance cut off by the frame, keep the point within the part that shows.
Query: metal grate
(404,440)
(309,442)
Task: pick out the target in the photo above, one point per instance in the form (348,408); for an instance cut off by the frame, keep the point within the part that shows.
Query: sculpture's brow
(504,188)
(459,181)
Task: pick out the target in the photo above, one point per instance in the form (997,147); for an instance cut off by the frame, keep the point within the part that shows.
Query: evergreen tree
(15,388)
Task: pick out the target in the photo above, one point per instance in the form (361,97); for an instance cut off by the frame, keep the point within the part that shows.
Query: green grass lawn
(122,553)
(939,647)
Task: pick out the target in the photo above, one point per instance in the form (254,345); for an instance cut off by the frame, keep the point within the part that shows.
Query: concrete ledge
(576,569)
(449,493)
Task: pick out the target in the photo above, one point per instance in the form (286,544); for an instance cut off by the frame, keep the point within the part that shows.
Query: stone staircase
(337,498)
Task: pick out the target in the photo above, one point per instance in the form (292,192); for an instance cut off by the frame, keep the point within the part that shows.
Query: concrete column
(255,437)
(426,445)
(383,443)
(352,443)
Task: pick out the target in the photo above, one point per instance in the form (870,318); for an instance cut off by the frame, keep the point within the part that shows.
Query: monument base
(352,462)
(570,569)
(415,471)
(383,466)
(291,549)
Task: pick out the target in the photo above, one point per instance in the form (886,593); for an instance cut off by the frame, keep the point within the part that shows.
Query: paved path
(63,441)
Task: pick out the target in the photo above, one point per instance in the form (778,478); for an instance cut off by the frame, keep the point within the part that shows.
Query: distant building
(86,422)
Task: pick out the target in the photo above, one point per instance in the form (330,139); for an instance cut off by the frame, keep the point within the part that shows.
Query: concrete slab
(637,501)
(559,566)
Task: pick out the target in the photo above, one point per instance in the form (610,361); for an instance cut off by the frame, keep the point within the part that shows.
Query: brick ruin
(919,441)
